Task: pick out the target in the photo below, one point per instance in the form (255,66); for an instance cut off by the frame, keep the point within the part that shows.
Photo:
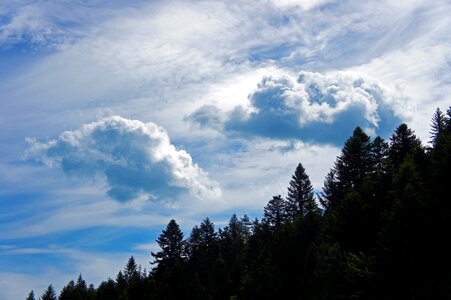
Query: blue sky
(116,117)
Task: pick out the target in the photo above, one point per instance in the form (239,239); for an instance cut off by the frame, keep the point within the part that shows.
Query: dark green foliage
(68,292)
(355,161)
(383,233)
(171,244)
(107,290)
(49,294)
(402,143)
(275,212)
(300,198)
(438,126)
(31,296)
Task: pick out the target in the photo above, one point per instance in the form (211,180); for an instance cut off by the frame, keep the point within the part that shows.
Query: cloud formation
(314,107)
(137,159)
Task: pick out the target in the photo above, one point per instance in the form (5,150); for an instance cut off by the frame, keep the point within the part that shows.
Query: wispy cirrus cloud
(136,159)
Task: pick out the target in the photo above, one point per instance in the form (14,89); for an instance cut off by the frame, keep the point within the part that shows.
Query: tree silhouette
(275,212)
(49,294)
(381,234)
(31,296)
(300,198)
(171,244)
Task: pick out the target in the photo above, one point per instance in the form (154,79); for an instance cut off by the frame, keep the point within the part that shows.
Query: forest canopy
(379,229)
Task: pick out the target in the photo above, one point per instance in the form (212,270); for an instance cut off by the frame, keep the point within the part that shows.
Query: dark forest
(378,230)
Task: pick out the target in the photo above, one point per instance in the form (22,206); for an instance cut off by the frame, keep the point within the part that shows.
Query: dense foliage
(381,232)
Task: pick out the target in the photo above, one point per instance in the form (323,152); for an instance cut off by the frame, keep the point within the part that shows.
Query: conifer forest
(379,229)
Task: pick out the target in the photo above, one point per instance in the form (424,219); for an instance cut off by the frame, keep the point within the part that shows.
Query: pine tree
(171,244)
(31,296)
(49,294)
(300,198)
(275,212)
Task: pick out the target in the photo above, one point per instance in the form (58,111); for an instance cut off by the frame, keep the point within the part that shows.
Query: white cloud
(304,4)
(137,160)
(314,107)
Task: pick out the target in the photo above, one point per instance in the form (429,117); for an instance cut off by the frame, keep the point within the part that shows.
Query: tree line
(379,229)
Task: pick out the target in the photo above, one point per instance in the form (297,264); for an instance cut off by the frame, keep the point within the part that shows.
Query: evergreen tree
(81,290)
(121,286)
(438,126)
(329,197)
(131,271)
(207,233)
(171,244)
(379,156)
(68,292)
(355,162)
(402,143)
(107,290)
(300,198)
(275,212)
(169,274)
(49,294)
(194,241)
(448,120)
(31,296)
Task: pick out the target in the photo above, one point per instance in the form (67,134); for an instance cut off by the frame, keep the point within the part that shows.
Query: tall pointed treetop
(300,198)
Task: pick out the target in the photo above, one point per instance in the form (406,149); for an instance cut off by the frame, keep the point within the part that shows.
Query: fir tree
(107,290)
(131,271)
(355,162)
(300,198)
(49,294)
(171,244)
(379,156)
(329,197)
(275,212)
(437,127)
(402,143)
(68,292)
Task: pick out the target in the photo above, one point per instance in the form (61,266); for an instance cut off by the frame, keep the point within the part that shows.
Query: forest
(378,230)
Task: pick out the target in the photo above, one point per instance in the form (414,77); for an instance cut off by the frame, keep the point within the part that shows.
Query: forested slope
(380,229)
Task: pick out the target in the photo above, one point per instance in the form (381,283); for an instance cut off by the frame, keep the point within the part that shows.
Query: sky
(117,116)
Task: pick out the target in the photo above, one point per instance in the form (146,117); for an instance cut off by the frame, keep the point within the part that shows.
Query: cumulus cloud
(313,107)
(137,159)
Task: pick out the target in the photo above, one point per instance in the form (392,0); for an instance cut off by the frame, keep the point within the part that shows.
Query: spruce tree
(300,198)
(171,244)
